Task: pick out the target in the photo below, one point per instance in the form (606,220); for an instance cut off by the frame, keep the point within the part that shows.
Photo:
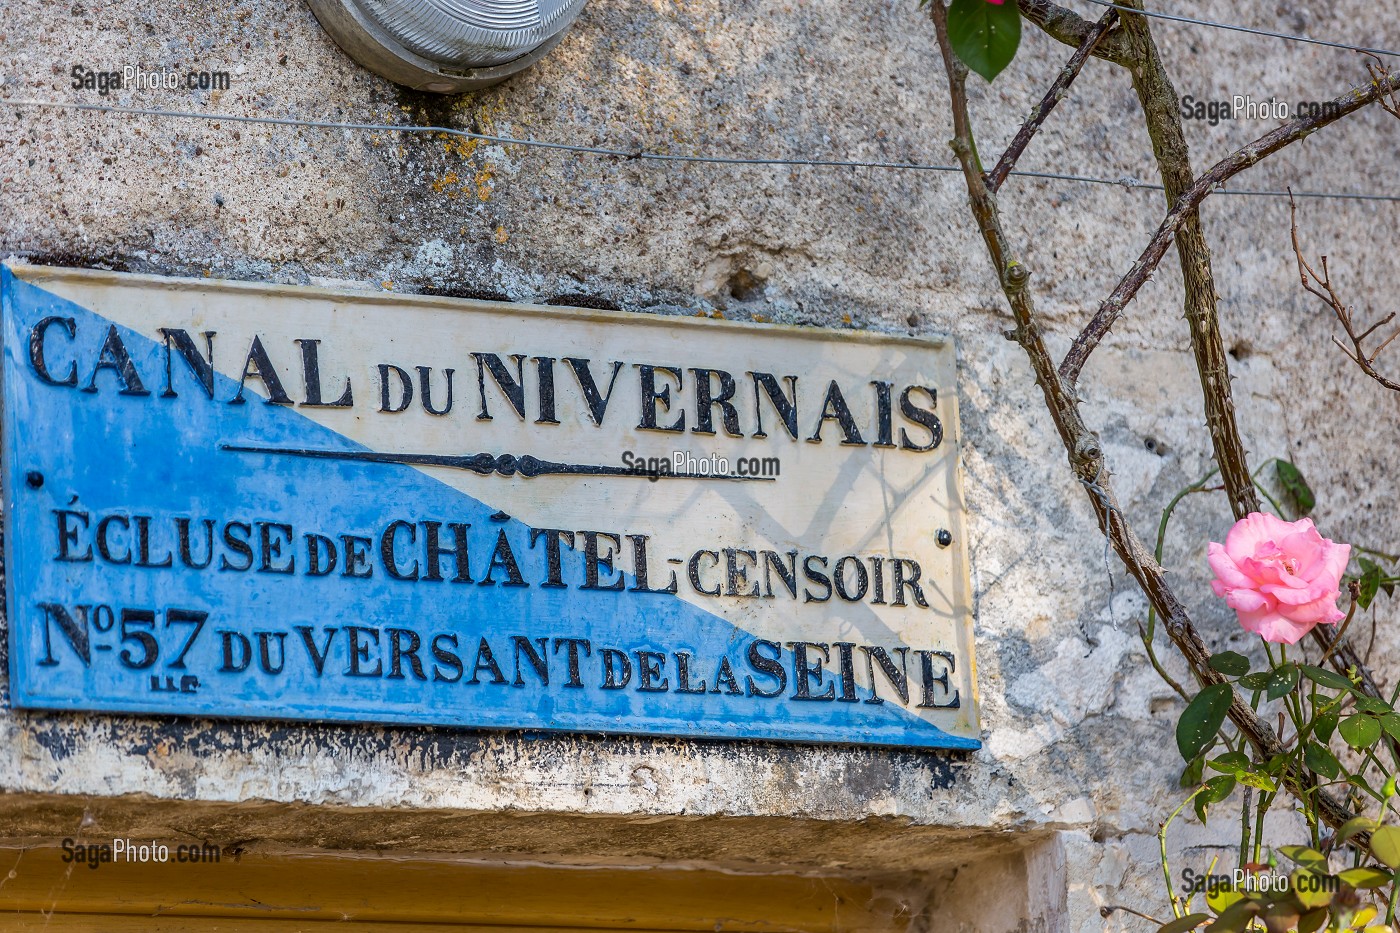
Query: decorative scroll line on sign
(486,464)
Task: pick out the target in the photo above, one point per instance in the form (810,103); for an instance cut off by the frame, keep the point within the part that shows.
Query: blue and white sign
(227,499)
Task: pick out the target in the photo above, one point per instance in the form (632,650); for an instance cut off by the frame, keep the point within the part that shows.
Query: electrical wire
(645,156)
(1235,27)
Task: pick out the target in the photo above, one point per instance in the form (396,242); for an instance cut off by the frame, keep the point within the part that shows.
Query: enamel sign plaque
(227,499)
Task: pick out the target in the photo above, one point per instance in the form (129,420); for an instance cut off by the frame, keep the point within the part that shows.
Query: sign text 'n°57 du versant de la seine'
(231,499)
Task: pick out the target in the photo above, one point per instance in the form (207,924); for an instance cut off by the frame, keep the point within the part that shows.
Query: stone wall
(1078,728)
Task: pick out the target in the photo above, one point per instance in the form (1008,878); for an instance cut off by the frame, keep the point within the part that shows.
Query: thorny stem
(1222,171)
(1160,108)
(1263,491)
(1265,800)
(1082,446)
(1244,826)
(1149,634)
(1162,842)
(1267,495)
(1069,28)
(1057,91)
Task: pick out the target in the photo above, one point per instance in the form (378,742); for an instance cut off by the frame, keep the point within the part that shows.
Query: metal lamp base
(369,44)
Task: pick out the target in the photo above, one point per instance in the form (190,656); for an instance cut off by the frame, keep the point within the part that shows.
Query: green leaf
(984,35)
(1313,889)
(1230,663)
(1360,730)
(1259,680)
(1363,878)
(1182,924)
(1372,705)
(1325,677)
(1357,824)
(1308,858)
(1390,722)
(1313,920)
(1235,918)
(1194,772)
(1216,790)
(1370,582)
(1230,763)
(1385,845)
(1320,759)
(1324,725)
(1257,781)
(1299,492)
(1281,913)
(1305,858)
(1357,781)
(1282,680)
(1223,899)
(1203,716)
(1363,918)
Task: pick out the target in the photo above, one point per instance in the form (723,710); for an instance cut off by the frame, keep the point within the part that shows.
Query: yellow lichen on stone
(483,183)
(486,113)
(451,178)
(460,146)
(501,235)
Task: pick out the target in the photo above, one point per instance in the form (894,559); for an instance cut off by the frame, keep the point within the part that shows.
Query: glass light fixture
(447,46)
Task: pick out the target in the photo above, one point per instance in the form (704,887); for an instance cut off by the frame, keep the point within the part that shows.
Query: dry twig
(1388,101)
(1321,286)
(1057,92)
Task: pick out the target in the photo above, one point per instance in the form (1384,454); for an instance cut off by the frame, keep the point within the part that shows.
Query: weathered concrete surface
(1078,727)
(869,845)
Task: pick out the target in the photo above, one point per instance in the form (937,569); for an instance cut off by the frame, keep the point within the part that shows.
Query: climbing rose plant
(1315,727)
(1283,579)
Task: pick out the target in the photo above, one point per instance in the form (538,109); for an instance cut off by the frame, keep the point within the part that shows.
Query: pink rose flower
(1282,578)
